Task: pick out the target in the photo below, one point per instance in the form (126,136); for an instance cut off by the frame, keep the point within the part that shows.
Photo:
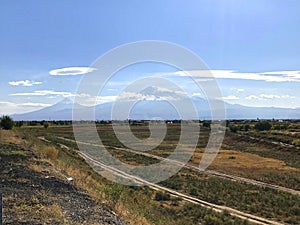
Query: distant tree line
(6,122)
(263,125)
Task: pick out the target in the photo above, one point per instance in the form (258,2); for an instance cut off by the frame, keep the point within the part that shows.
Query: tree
(6,122)
(233,128)
(46,125)
(19,123)
(161,196)
(263,125)
(206,123)
(246,127)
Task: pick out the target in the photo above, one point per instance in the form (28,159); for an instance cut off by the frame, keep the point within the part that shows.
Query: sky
(251,47)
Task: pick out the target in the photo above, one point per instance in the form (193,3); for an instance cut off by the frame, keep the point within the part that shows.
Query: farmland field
(252,173)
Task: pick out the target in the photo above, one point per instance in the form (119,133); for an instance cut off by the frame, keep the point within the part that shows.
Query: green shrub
(263,125)
(247,127)
(160,196)
(206,123)
(233,128)
(46,125)
(6,122)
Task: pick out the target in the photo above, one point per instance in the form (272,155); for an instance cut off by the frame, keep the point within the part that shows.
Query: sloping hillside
(35,193)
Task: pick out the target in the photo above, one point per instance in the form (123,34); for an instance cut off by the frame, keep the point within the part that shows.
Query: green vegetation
(6,122)
(13,153)
(139,205)
(262,125)
(233,128)
(264,202)
(161,196)
(46,124)
(262,138)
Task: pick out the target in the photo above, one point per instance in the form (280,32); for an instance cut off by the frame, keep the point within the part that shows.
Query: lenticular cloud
(69,71)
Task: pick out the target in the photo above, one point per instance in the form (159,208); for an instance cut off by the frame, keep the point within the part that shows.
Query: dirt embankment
(36,196)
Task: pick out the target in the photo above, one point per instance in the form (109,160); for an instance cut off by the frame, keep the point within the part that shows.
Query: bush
(263,125)
(212,220)
(19,123)
(49,152)
(233,128)
(6,122)
(46,125)
(160,196)
(206,123)
(247,127)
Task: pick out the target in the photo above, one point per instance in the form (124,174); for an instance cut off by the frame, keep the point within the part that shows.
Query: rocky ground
(33,197)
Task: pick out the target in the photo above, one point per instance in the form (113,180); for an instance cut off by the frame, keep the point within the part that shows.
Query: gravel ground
(31,197)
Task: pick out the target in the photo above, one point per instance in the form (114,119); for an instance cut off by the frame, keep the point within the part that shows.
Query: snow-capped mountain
(154,103)
(154,109)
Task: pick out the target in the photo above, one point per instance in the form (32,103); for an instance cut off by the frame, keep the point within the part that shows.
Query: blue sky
(252,47)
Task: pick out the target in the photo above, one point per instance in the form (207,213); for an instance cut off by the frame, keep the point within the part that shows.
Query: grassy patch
(136,204)
(263,202)
(13,153)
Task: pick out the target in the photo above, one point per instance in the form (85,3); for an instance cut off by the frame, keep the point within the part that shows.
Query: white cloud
(131,96)
(7,108)
(45,93)
(231,97)
(268,97)
(153,93)
(197,94)
(238,90)
(34,104)
(277,76)
(87,100)
(250,97)
(68,71)
(81,98)
(26,83)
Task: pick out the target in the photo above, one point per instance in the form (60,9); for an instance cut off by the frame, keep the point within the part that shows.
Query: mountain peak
(161,93)
(66,101)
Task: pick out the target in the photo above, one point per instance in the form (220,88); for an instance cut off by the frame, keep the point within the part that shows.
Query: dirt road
(140,181)
(208,172)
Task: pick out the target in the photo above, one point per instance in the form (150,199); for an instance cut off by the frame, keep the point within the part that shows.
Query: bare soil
(39,197)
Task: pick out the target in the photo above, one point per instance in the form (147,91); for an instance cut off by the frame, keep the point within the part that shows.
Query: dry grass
(131,218)
(84,178)
(241,163)
(10,136)
(53,211)
(48,152)
(296,142)
(36,168)
(34,209)
(95,189)
(22,180)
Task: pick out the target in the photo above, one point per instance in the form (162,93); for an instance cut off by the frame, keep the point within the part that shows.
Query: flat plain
(254,179)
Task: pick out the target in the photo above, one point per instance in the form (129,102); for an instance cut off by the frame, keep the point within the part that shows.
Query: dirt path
(208,172)
(138,180)
(218,208)
(269,141)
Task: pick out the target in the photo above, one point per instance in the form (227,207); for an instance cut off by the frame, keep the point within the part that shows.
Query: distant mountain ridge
(154,109)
